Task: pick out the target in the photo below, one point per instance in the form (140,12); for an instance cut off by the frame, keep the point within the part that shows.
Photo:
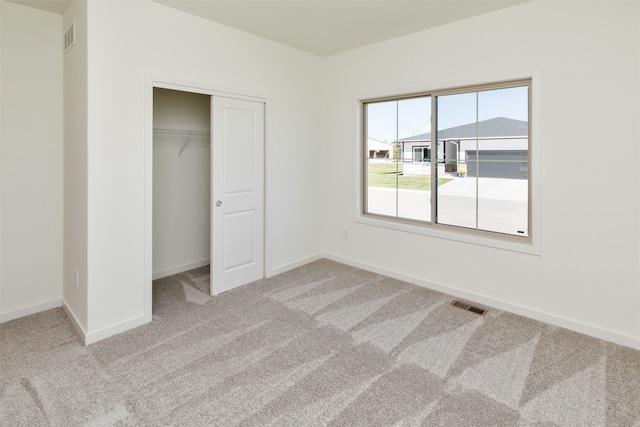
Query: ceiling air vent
(70,37)
(468,307)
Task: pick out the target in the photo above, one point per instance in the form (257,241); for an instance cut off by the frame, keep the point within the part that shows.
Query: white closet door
(237,189)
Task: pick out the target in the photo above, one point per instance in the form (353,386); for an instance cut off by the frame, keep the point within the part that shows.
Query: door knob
(218,203)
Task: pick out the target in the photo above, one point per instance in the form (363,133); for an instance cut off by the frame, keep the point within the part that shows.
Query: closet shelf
(181,132)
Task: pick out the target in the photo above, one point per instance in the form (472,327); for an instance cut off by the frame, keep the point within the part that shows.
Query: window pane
(393,187)
(382,187)
(502,202)
(510,102)
(414,182)
(381,164)
(501,160)
(456,135)
(457,202)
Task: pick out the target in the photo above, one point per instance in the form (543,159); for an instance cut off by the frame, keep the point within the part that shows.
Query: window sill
(526,246)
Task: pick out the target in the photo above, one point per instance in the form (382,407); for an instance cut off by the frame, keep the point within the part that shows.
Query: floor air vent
(467,307)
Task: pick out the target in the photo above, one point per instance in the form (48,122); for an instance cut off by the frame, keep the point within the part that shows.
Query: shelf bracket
(184,144)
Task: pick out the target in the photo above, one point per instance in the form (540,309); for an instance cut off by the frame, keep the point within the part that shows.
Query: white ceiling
(323,27)
(55,6)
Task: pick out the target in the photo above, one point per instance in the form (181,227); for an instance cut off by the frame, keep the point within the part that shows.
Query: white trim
(268,239)
(74,321)
(118,328)
(180,269)
(152,81)
(203,88)
(294,264)
(148,200)
(440,233)
(551,319)
(29,310)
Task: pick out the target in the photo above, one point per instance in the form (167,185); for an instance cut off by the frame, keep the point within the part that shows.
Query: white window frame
(529,245)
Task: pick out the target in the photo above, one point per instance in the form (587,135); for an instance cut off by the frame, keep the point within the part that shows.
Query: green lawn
(386,175)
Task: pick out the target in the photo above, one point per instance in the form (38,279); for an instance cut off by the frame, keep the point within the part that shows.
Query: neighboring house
(379,149)
(497,140)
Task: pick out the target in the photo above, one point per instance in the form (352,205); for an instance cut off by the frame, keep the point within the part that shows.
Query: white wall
(586,56)
(181,185)
(128,40)
(31,160)
(75,167)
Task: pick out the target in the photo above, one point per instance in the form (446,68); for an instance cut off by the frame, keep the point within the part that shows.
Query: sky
(392,120)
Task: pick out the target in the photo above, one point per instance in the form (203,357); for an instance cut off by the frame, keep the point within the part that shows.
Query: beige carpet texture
(321,345)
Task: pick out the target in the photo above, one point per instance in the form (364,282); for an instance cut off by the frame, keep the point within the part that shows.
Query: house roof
(500,127)
(374,144)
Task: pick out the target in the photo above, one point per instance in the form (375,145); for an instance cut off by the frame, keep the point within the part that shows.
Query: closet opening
(204,191)
(182,190)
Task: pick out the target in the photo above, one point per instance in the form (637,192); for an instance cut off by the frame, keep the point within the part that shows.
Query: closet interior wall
(181,181)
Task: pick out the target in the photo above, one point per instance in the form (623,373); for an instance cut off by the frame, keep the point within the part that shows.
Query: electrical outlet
(76,279)
(345,233)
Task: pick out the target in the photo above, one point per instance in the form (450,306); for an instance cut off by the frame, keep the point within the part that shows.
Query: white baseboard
(295,264)
(74,321)
(103,333)
(29,310)
(92,337)
(541,316)
(548,318)
(179,269)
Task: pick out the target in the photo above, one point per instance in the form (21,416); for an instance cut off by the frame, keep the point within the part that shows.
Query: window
(461,163)
(421,154)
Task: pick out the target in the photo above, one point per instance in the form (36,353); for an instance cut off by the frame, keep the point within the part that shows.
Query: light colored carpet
(324,344)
